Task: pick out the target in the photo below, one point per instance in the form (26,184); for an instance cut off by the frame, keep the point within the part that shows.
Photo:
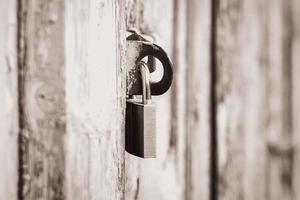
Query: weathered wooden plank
(8,101)
(41,95)
(295,139)
(162,177)
(279,101)
(198,93)
(95,97)
(177,141)
(255,94)
(241,68)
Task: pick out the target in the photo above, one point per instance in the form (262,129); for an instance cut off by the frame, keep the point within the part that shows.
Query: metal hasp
(138,48)
(140,139)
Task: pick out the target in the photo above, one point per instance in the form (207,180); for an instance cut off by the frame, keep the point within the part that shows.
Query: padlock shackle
(150,49)
(145,74)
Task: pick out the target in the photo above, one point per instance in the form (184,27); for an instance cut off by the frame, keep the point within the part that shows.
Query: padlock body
(140,139)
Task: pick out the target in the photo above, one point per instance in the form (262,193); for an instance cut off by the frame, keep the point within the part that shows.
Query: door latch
(137,48)
(141,113)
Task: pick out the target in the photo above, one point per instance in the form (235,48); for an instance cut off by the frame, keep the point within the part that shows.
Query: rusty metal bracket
(138,48)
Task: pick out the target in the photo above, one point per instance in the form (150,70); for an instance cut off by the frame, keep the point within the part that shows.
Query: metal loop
(145,74)
(151,50)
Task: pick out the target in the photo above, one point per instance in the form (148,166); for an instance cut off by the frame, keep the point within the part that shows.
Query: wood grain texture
(279,89)
(295,140)
(95,97)
(198,93)
(162,177)
(68,71)
(241,99)
(8,101)
(41,96)
(254,94)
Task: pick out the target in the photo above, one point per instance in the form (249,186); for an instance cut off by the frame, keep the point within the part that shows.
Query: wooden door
(227,129)
(71,99)
(181,170)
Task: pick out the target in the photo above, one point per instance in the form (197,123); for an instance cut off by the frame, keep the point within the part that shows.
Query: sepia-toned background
(228,129)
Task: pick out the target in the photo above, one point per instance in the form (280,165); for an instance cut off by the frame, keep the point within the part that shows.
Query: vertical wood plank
(95,97)
(162,177)
(295,140)
(280,101)
(241,99)
(198,119)
(42,94)
(254,91)
(8,101)
(178,101)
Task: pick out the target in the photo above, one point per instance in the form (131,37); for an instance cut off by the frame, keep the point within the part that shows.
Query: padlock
(140,139)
